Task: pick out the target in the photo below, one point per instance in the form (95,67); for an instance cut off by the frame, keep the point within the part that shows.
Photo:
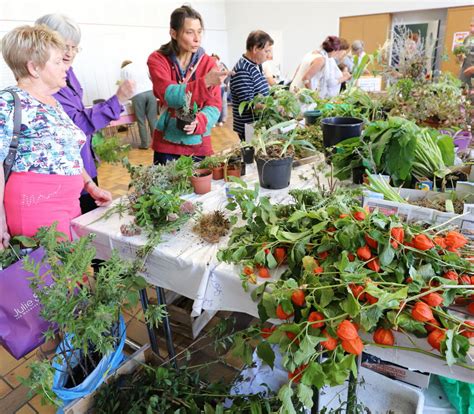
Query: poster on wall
(458,39)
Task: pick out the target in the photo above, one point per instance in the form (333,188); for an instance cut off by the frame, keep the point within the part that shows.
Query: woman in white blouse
(319,70)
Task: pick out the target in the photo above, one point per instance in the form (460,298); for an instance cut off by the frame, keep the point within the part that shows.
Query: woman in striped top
(248,79)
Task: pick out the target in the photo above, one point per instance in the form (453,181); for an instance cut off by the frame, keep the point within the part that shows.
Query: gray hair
(67,28)
(357,45)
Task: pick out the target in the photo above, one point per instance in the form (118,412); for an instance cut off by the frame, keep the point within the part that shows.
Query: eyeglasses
(74,49)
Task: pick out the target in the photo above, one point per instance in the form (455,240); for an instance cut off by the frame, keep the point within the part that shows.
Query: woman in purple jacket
(91,119)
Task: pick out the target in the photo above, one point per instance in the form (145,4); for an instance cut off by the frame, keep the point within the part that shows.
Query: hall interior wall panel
(373,29)
(458,20)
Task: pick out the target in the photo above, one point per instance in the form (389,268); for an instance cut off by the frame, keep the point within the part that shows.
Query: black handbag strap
(10,159)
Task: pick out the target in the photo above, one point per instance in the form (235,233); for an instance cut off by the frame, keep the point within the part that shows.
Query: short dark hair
(331,44)
(177,19)
(258,38)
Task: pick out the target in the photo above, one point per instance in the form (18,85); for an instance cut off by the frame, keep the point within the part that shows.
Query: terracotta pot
(232,170)
(202,182)
(218,173)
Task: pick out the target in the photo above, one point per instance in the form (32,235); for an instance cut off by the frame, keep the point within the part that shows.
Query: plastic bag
(105,367)
(21,327)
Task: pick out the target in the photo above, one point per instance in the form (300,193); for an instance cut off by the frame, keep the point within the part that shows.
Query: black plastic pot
(274,174)
(248,154)
(338,129)
(183,119)
(358,175)
(311,117)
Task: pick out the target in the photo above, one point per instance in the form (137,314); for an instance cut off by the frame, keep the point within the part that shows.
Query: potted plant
(248,153)
(274,150)
(201,180)
(233,165)
(84,315)
(337,129)
(214,163)
(279,106)
(460,52)
(187,113)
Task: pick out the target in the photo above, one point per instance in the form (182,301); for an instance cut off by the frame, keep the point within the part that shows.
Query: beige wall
(458,20)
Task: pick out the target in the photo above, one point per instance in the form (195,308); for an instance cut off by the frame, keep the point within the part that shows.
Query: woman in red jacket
(179,69)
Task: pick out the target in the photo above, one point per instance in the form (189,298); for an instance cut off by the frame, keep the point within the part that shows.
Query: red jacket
(164,73)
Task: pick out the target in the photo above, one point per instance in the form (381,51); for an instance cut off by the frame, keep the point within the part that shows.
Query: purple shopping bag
(21,327)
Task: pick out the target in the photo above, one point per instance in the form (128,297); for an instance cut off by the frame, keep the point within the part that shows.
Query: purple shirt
(89,120)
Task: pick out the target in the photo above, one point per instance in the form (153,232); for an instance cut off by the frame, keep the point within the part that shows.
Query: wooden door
(458,20)
(372,29)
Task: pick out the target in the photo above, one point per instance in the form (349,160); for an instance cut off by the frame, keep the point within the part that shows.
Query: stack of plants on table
(436,102)
(352,278)
(83,310)
(154,200)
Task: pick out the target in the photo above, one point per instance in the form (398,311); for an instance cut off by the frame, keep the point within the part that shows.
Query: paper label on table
(370,83)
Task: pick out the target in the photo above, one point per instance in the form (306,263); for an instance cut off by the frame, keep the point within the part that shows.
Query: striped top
(247,82)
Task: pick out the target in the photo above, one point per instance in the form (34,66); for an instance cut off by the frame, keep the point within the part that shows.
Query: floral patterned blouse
(49,142)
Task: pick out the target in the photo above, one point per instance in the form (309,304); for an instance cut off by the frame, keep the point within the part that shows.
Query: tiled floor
(13,396)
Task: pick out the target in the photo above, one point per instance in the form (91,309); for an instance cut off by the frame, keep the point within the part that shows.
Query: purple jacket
(89,120)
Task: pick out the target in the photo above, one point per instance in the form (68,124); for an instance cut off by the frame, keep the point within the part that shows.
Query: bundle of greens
(397,147)
(173,176)
(110,149)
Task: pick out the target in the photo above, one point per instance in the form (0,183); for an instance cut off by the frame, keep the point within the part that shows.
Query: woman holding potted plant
(187,82)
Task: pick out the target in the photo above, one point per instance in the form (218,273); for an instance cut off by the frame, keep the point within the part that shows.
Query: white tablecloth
(182,262)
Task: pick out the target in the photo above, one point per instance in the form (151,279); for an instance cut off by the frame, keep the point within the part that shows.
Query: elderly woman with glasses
(47,174)
(90,120)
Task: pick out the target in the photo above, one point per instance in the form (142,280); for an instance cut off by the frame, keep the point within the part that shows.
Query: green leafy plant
(279,141)
(109,149)
(188,108)
(397,147)
(350,273)
(211,162)
(439,101)
(311,134)
(279,106)
(82,307)
(173,176)
(18,247)
(460,50)
(355,103)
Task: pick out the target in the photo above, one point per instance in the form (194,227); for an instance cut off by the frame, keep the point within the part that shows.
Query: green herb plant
(83,307)
(109,149)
